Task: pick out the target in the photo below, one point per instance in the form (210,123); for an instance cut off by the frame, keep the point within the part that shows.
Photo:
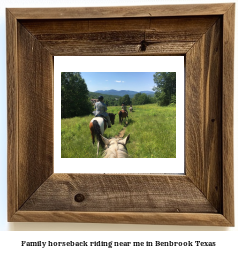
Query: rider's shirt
(124,107)
(101,108)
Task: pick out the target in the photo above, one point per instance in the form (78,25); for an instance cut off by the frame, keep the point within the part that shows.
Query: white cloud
(118,81)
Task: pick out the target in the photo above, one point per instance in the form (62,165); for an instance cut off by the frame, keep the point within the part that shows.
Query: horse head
(111,141)
(115,147)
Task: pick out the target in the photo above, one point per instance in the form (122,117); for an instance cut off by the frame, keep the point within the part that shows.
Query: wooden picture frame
(204,34)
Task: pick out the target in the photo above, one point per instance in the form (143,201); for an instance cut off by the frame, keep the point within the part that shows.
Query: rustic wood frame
(204,34)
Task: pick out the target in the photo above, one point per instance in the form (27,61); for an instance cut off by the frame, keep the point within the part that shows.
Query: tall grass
(152,133)
(155,130)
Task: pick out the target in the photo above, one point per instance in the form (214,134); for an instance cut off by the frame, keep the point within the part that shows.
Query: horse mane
(115,150)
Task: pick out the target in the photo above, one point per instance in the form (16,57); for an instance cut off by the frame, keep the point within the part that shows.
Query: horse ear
(126,139)
(105,140)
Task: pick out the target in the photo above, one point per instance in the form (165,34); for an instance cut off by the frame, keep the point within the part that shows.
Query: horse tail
(97,131)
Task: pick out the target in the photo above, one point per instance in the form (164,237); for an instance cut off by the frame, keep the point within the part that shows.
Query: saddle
(123,111)
(104,118)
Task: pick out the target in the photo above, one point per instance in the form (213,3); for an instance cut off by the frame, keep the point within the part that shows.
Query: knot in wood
(143,45)
(79,198)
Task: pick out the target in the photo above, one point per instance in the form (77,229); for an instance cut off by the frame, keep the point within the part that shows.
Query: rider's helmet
(123,103)
(100,98)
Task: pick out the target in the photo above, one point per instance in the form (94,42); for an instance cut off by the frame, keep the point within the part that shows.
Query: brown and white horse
(97,127)
(115,147)
(122,114)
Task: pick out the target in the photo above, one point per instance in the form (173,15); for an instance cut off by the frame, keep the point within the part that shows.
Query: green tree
(165,88)
(144,99)
(109,100)
(173,99)
(141,99)
(74,95)
(126,99)
(152,99)
(136,99)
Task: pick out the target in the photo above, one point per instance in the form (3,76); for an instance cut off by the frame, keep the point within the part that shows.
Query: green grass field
(152,133)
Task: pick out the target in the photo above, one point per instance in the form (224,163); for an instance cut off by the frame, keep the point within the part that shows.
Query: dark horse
(97,127)
(122,114)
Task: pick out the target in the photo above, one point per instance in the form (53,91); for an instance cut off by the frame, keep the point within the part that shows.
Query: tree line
(165,89)
(74,95)
(109,100)
(138,99)
(76,99)
(112,100)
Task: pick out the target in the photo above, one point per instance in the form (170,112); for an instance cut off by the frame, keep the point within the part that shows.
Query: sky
(133,81)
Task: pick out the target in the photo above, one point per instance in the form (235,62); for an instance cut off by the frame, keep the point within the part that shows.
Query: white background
(120,64)
(10,241)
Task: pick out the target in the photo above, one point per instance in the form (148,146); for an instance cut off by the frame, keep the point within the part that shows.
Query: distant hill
(95,95)
(122,92)
(148,92)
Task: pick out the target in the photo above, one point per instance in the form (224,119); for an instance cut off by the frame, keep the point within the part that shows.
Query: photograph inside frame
(122,114)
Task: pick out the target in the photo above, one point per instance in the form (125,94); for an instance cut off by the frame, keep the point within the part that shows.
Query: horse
(97,126)
(122,114)
(115,147)
(131,109)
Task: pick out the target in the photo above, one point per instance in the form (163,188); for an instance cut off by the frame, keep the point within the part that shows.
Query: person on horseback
(131,108)
(123,106)
(101,109)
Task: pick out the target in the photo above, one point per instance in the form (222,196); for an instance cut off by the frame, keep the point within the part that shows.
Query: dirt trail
(121,133)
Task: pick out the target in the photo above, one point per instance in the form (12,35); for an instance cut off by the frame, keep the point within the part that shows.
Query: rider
(123,106)
(101,109)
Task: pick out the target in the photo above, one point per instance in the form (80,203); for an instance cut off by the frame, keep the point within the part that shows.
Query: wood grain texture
(119,36)
(12,114)
(49,29)
(227,113)
(121,12)
(114,193)
(203,115)
(115,49)
(35,111)
(192,219)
